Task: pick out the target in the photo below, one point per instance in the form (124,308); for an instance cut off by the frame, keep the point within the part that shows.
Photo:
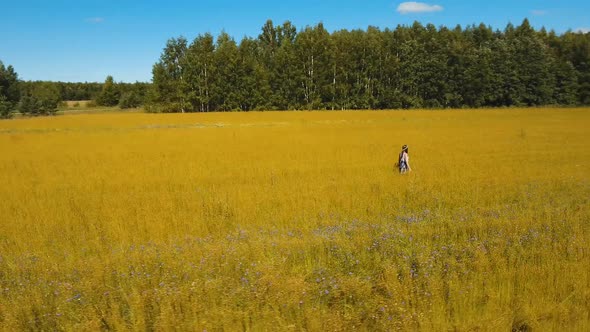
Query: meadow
(296,221)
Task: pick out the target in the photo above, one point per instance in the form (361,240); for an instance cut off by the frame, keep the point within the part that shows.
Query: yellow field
(296,221)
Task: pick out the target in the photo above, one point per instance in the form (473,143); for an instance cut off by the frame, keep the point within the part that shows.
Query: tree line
(43,97)
(124,95)
(65,90)
(413,66)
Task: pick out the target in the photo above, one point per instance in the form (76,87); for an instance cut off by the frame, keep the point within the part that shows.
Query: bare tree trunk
(334,88)
(206,89)
(312,85)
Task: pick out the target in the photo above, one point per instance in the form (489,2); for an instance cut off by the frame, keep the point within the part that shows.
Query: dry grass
(296,221)
(77,103)
(89,107)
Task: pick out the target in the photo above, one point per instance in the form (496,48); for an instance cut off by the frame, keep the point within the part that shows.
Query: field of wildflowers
(296,221)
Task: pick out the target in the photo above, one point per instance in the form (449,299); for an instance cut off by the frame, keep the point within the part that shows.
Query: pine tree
(5,108)
(253,88)
(9,90)
(287,77)
(226,62)
(109,96)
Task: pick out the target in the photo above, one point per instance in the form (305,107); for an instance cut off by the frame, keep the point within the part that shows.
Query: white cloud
(582,30)
(417,7)
(538,12)
(95,20)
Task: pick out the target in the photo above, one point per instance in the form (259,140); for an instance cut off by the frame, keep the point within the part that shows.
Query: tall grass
(296,221)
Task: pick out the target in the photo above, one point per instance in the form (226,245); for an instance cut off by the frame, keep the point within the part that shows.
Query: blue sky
(88,40)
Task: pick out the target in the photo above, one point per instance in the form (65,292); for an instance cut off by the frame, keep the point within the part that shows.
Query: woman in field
(404,161)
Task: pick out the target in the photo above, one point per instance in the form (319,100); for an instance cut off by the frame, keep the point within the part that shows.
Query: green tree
(390,94)
(133,95)
(341,70)
(29,105)
(200,73)
(40,99)
(479,78)
(312,49)
(575,48)
(508,88)
(253,89)
(169,84)
(5,108)
(9,90)
(407,67)
(110,94)
(228,72)
(457,50)
(532,65)
(565,90)
(287,88)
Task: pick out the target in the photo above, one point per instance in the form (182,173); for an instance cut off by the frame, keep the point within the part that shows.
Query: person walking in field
(404,161)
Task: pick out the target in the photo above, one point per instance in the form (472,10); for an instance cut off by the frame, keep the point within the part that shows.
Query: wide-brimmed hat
(405,147)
